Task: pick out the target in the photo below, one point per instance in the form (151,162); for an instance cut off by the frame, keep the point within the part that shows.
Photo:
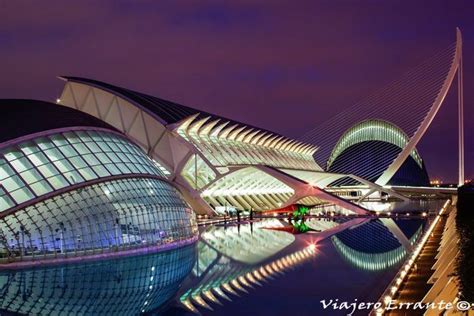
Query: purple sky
(282,65)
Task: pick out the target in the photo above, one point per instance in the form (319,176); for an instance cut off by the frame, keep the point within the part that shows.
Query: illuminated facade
(367,149)
(76,186)
(216,162)
(388,124)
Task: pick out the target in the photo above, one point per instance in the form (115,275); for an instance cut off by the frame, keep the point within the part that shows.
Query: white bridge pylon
(456,66)
(400,113)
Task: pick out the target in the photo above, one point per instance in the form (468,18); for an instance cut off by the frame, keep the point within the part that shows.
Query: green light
(298,219)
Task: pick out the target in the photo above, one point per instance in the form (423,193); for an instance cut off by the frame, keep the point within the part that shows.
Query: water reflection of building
(322,224)
(372,246)
(247,244)
(125,286)
(233,260)
(72,185)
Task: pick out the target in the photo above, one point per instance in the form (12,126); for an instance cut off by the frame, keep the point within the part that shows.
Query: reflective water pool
(235,269)
(117,287)
(255,274)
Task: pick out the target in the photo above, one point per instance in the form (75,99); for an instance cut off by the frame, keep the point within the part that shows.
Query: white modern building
(216,162)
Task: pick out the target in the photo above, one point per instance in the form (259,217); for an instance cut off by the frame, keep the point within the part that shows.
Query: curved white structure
(372,130)
(410,103)
(216,162)
(387,175)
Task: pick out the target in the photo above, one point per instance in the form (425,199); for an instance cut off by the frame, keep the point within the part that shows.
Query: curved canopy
(372,130)
(167,112)
(34,169)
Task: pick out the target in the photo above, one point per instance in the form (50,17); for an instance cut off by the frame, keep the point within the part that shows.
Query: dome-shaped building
(72,186)
(368,148)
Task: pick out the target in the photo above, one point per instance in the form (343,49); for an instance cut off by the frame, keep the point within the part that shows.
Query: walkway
(415,286)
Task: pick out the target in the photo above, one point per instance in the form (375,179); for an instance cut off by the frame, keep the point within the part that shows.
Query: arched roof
(30,172)
(144,118)
(372,130)
(21,117)
(167,111)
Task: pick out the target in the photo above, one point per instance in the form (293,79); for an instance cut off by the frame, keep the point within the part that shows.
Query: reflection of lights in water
(376,206)
(250,277)
(122,286)
(221,293)
(247,245)
(257,275)
(373,261)
(319,224)
(200,301)
(369,261)
(208,294)
(236,285)
(227,287)
(244,280)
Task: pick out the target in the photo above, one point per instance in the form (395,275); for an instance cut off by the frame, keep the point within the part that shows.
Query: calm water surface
(233,270)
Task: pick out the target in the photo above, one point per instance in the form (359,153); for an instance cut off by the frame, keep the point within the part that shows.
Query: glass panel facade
(108,216)
(45,164)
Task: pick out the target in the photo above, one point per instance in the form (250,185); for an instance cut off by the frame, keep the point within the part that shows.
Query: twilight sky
(281,65)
